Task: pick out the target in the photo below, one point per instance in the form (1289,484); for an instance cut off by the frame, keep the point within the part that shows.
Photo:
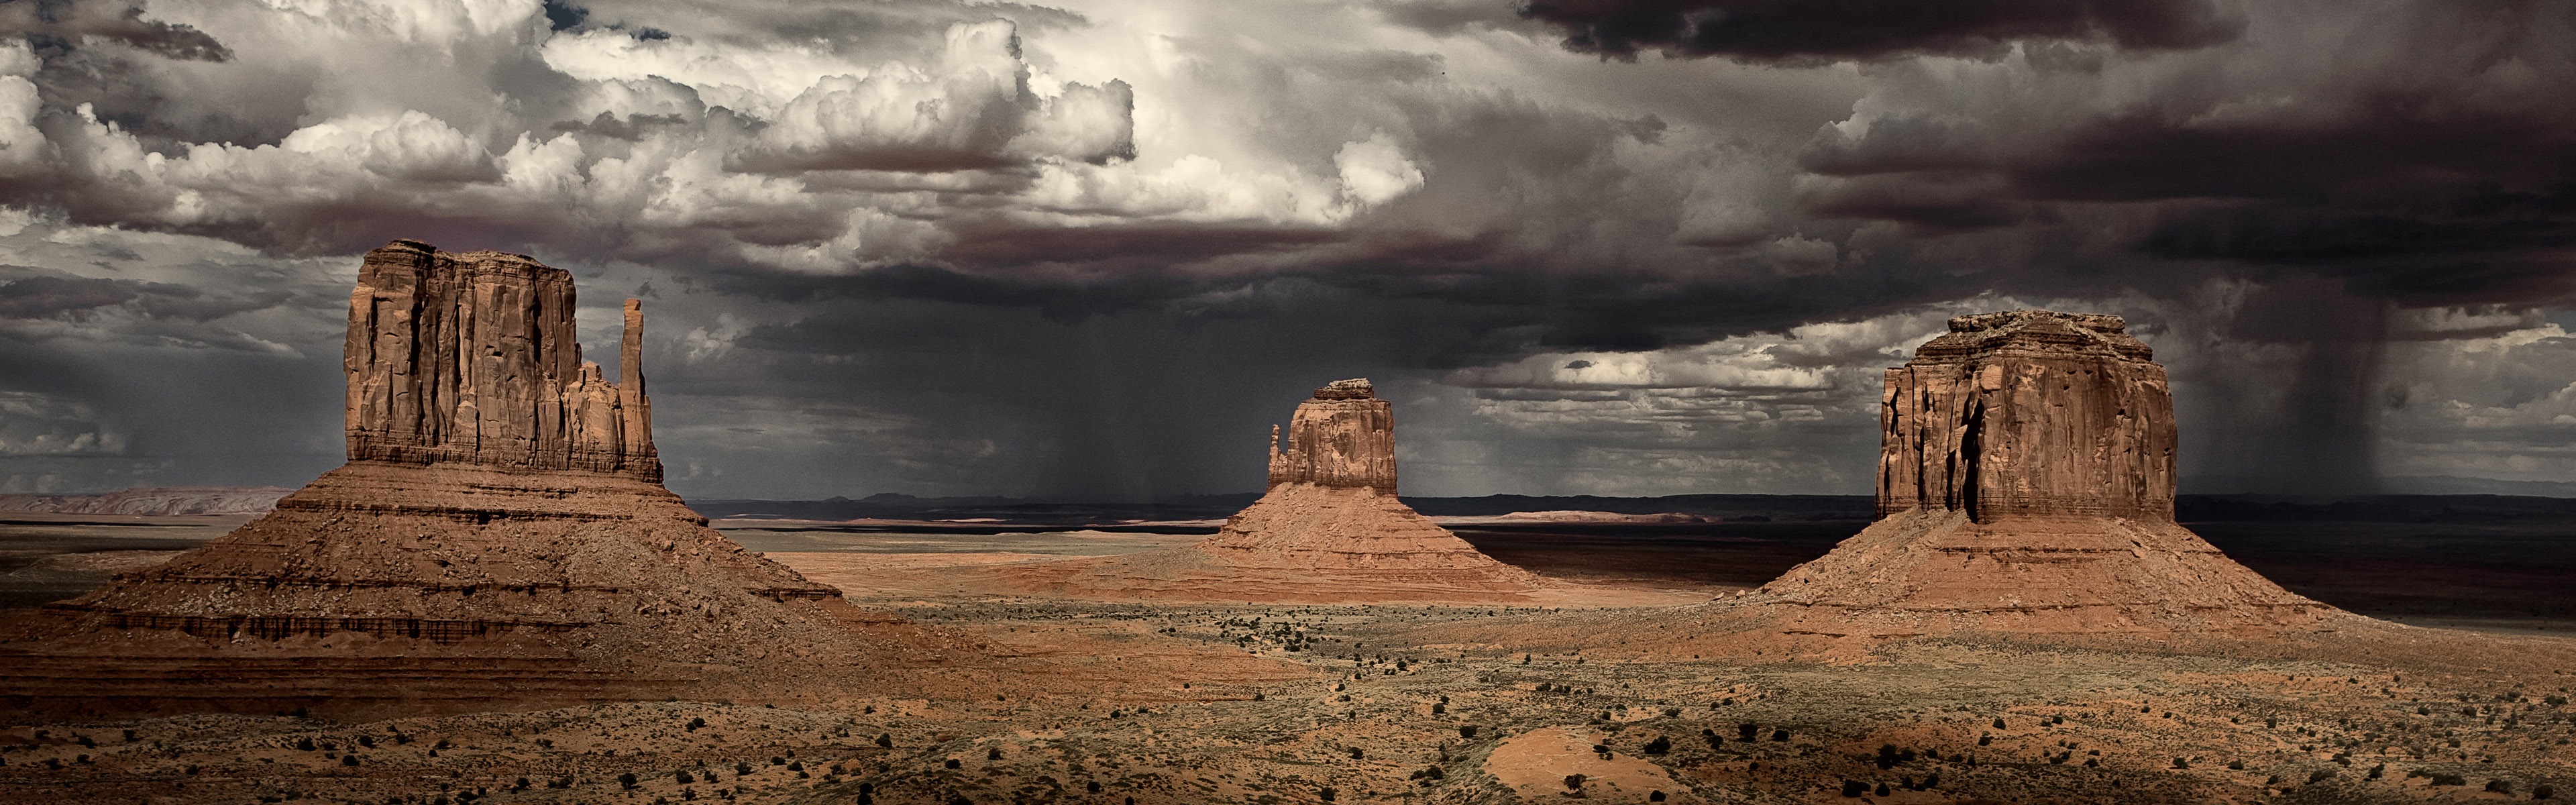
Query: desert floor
(1388,704)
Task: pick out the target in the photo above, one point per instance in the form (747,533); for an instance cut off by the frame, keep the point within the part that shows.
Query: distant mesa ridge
(472,358)
(151,501)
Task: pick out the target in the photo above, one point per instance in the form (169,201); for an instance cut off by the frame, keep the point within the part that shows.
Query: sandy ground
(912,576)
(1357,708)
(910,566)
(1401,704)
(1573,762)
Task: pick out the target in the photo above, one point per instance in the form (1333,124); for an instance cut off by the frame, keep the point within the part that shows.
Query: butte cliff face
(470,358)
(2026,482)
(1329,529)
(499,537)
(2029,412)
(1344,437)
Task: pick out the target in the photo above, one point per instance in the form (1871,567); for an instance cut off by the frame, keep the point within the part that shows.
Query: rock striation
(2025,484)
(1329,529)
(499,538)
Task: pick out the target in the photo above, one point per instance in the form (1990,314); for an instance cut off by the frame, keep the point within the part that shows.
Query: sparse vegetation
(1852,730)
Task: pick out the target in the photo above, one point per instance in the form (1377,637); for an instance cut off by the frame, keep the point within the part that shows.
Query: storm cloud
(1791,30)
(1094,249)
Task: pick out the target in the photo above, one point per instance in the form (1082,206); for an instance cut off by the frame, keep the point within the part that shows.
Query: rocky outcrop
(1329,530)
(2029,412)
(499,538)
(1343,438)
(471,358)
(2026,483)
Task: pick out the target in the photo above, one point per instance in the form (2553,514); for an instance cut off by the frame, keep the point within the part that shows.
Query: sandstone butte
(1328,530)
(2025,494)
(2026,485)
(499,537)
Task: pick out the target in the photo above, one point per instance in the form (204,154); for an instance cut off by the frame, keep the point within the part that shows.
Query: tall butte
(2026,485)
(499,537)
(1329,529)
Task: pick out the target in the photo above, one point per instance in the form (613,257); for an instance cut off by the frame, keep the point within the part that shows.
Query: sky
(1094,249)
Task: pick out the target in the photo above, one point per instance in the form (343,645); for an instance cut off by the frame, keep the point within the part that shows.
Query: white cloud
(1375,171)
(752,78)
(22,147)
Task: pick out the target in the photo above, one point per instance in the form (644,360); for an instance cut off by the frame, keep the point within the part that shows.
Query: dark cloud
(2431,173)
(2325,438)
(1059,298)
(46,297)
(71,21)
(1936,199)
(1133,404)
(1820,30)
(1140,247)
(53,296)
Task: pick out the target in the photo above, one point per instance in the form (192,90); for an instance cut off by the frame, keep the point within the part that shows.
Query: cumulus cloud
(1374,171)
(22,145)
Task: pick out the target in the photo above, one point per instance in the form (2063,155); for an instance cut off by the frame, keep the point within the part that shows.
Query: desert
(1258,719)
(1283,402)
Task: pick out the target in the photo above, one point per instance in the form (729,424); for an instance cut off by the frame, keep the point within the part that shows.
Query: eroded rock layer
(2026,485)
(1330,529)
(499,538)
